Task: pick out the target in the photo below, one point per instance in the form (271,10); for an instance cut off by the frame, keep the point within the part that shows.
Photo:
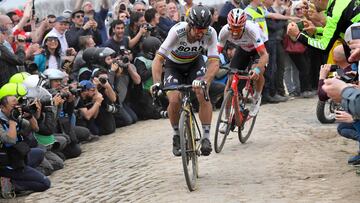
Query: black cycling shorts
(176,73)
(242,59)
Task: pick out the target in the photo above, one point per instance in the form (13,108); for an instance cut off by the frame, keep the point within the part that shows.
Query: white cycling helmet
(32,81)
(54,74)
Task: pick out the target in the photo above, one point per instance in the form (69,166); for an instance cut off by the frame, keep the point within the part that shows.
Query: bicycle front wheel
(223,123)
(188,150)
(247,126)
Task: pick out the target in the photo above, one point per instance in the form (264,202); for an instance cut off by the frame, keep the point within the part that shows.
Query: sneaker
(176,145)
(280,98)
(222,128)
(205,147)
(269,99)
(294,94)
(307,94)
(6,188)
(255,106)
(355,160)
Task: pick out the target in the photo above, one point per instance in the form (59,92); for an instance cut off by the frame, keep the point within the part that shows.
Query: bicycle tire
(322,116)
(246,128)
(188,152)
(217,143)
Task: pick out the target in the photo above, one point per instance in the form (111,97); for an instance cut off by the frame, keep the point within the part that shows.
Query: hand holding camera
(98,98)
(58,99)
(343,116)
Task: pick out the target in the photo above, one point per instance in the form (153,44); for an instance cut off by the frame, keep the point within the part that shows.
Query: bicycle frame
(235,110)
(187,107)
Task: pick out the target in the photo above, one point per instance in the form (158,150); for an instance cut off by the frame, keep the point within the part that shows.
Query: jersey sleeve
(330,31)
(222,38)
(168,43)
(212,49)
(255,36)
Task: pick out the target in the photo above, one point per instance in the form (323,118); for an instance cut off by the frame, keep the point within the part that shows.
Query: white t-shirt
(53,62)
(177,48)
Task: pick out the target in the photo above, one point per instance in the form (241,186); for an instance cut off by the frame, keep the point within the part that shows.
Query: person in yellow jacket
(258,14)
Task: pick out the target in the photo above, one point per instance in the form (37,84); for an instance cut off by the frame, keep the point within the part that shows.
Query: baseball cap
(87,84)
(61,19)
(84,74)
(67,13)
(75,12)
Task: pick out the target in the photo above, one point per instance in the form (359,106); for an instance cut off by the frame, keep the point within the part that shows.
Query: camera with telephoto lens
(103,80)
(124,59)
(28,105)
(148,27)
(112,108)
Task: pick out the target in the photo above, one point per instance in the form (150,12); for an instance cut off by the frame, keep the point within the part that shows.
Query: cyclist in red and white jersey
(182,53)
(250,40)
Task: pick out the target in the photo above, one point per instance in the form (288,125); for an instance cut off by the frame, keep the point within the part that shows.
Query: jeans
(302,63)
(28,178)
(291,78)
(348,130)
(125,116)
(274,73)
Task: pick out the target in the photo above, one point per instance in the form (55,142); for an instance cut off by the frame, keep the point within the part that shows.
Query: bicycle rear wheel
(247,126)
(223,119)
(188,150)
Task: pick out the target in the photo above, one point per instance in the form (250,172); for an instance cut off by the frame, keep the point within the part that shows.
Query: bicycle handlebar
(187,88)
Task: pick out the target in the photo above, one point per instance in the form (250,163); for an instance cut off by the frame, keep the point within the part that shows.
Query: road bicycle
(234,111)
(190,134)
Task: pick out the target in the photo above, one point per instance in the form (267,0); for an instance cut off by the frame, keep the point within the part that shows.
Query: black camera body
(335,70)
(103,80)
(148,27)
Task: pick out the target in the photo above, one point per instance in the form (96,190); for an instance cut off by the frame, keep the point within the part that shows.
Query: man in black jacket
(8,60)
(80,28)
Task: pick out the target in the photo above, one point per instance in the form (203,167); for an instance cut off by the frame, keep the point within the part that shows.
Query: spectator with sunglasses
(51,56)
(80,28)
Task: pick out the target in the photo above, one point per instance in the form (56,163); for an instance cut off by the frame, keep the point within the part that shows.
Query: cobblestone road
(289,157)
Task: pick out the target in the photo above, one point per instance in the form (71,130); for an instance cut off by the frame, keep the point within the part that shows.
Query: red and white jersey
(178,49)
(252,38)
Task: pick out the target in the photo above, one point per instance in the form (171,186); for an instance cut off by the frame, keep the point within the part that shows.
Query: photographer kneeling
(17,160)
(105,119)
(348,127)
(64,102)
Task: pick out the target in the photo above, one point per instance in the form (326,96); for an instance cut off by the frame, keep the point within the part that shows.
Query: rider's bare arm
(264,58)
(157,68)
(213,68)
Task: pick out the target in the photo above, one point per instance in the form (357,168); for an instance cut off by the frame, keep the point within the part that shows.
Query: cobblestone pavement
(289,157)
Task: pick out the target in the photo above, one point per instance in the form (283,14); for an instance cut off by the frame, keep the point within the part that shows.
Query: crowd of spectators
(69,79)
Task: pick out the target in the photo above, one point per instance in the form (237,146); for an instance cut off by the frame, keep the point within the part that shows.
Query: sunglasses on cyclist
(235,29)
(199,30)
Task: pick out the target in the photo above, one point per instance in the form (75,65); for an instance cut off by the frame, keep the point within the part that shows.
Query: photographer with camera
(153,19)
(124,75)
(347,127)
(89,106)
(17,160)
(105,120)
(64,103)
(136,30)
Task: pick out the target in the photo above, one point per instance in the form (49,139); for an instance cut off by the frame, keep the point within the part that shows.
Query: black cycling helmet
(95,55)
(150,46)
(199,16)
